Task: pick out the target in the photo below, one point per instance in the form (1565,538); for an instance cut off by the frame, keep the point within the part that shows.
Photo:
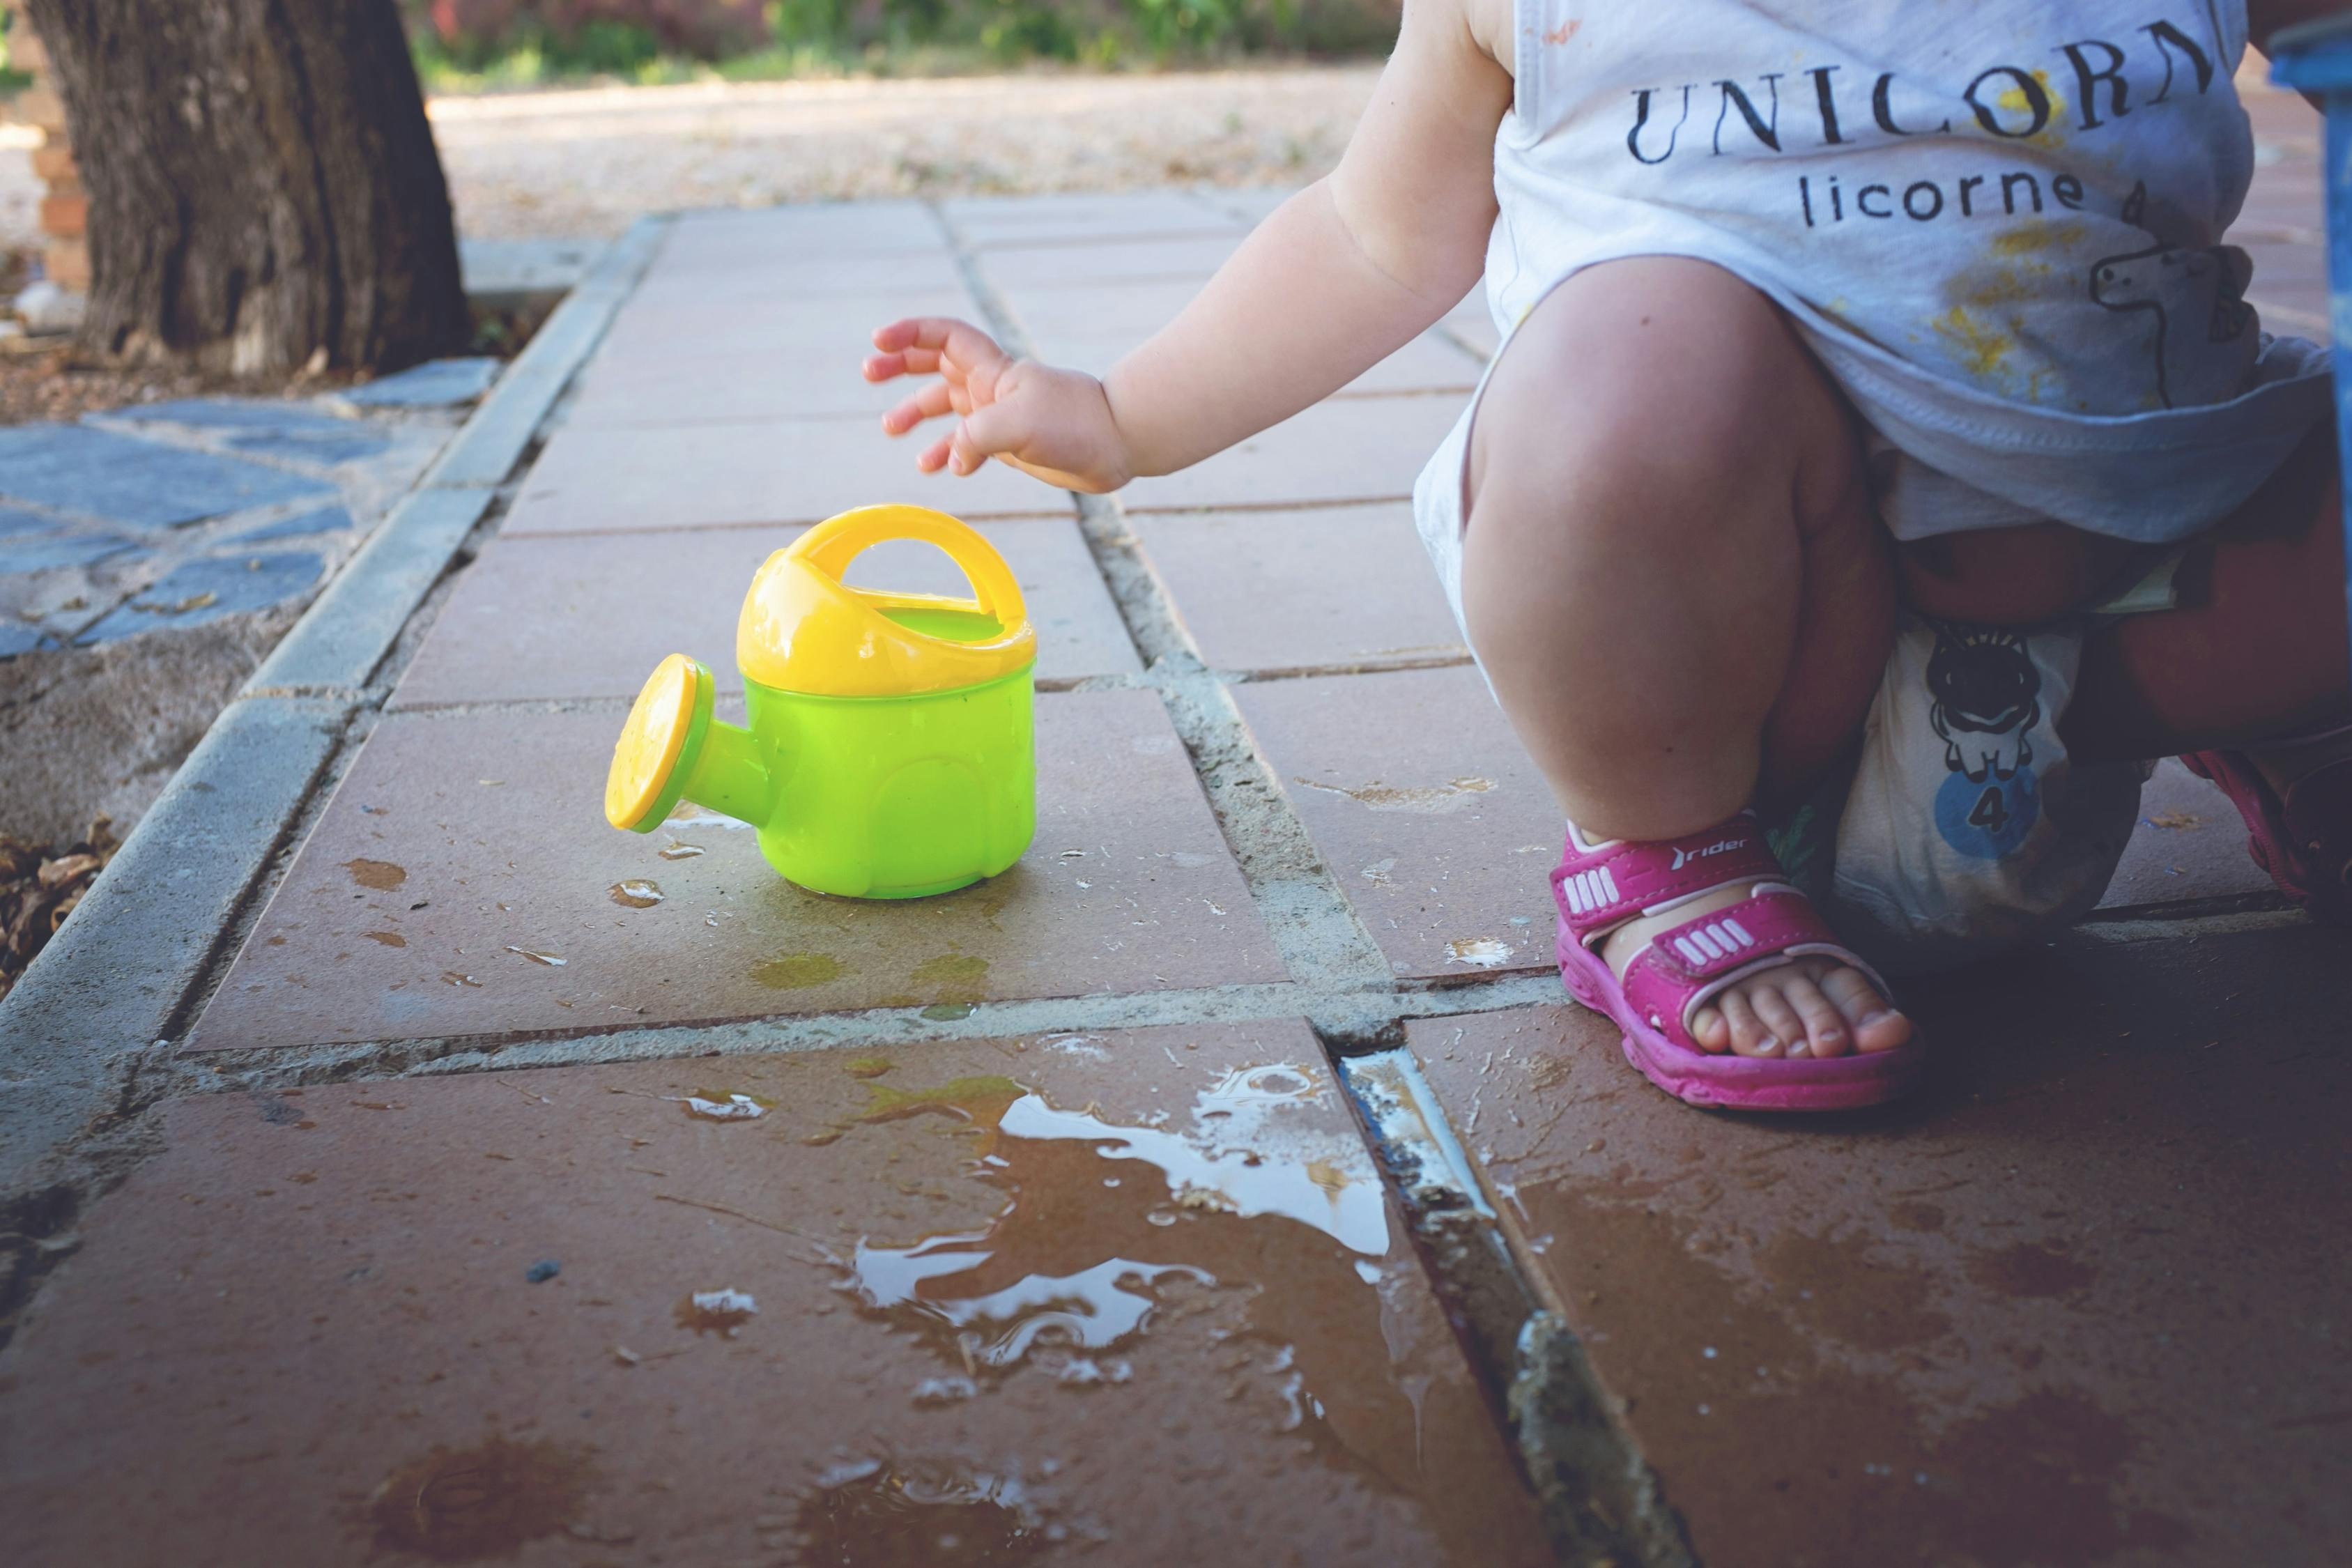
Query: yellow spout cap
(806,630)
(665,729)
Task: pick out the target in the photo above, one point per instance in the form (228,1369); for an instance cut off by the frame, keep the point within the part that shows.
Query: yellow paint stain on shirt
(1980,348)
(2036,234)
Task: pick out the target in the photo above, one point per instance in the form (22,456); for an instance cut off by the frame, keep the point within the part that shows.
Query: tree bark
(264,192)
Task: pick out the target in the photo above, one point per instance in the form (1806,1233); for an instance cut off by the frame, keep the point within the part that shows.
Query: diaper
(1963,827)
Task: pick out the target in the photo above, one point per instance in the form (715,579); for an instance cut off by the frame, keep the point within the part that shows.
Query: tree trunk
(264,192)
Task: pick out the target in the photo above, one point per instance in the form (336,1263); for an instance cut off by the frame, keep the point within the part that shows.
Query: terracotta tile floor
(1099,1294)
(1136,1297)
(463,881)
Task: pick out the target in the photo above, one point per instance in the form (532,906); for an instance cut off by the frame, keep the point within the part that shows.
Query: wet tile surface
(1349,449)
(2190,845)
(1431,817)
(1299,589)
(462,854)
(804,470)
(566,617)
(1130,1297)
(2079,1302)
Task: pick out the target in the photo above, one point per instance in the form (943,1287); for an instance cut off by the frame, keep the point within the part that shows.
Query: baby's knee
(1654,390)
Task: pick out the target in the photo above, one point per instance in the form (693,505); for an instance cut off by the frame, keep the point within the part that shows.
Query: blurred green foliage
(476,44)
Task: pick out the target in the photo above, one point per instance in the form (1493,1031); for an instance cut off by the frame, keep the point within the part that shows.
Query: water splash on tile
(488,1500)
(720,1312)
(720,1106)
(678,850)
(636,893)
(552,961)
(905,1511)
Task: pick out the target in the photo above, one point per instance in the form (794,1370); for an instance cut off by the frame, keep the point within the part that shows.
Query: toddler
(1881,459)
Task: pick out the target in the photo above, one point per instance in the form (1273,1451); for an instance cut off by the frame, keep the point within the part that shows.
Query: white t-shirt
(1997,222)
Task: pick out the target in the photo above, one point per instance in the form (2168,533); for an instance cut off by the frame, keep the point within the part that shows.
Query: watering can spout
(672,749)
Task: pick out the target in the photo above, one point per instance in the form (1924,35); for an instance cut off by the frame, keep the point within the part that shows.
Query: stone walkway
(1225,1179)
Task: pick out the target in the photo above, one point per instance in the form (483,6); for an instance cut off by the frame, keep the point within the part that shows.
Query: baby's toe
(1875,1022)
(1707,1027)
(1750,1035)
(1826,1034)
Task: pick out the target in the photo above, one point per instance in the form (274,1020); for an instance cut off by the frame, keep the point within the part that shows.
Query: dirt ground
(588,161)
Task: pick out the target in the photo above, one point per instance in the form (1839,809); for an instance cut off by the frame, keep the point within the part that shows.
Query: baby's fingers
(934,399)
(984,433)
(955,342)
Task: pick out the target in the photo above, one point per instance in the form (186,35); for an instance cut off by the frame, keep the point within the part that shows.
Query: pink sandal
(2304,839)
(1599,886)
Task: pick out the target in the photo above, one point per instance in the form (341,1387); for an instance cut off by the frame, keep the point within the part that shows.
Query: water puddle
(675,850)
(720,1106)
(488,1500)
(636,893)
(551,960)
(877,1515)
(720,1312)
(1480,952)
(952,978)
(1244,1239)
(388,938)
(797,971)
(1434,800)
(381,875)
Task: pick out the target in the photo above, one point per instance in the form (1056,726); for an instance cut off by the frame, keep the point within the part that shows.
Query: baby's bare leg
(1674,578)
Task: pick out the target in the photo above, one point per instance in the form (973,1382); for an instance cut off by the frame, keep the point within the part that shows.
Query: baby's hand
(1053,424)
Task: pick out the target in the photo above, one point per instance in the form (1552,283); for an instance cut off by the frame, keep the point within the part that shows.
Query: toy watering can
(890,750)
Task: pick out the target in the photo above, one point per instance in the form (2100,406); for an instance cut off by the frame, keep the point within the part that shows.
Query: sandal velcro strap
(1687,966)
(1601,889)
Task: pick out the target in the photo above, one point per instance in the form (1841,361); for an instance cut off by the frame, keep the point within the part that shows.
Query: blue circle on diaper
(1986,820)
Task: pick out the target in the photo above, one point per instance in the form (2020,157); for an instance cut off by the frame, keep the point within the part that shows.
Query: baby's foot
(1813,1006)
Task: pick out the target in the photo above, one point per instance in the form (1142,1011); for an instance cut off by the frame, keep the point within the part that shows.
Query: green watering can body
(888,752)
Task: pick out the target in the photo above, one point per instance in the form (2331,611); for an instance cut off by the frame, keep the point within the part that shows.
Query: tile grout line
(1321,938)
(239,1069)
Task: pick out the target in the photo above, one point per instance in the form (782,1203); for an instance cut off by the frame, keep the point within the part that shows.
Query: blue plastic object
(2316,57)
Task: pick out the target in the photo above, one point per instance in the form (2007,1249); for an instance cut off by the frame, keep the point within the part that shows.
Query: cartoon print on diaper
(1984,700)
(2196,297)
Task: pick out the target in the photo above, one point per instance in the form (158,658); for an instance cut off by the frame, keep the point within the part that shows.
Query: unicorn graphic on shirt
(2194,297)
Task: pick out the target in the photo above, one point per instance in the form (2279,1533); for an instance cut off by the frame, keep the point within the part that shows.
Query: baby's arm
(1339,277)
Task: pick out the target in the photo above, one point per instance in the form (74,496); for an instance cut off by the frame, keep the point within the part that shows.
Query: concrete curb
(120,970)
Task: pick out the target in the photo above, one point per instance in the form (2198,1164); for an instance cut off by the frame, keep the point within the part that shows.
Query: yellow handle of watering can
(833,543)
(804,630)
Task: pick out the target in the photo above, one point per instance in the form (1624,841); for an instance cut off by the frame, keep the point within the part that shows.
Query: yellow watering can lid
(667,722)
(806,630)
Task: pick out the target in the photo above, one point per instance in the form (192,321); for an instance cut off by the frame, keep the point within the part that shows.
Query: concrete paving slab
(593,480)
(988,222)
(556,619)
(112,978)
(1017,269)
(206,589)
(1329,587)
(1441,831)
(463,881)
(1090,329)
(2190,846)
(1349,449)
(2079,1302)
(143,484)
(438,384)
(1132,1298)
(842,233)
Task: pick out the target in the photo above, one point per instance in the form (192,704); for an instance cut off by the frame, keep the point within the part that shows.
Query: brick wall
(65,211)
